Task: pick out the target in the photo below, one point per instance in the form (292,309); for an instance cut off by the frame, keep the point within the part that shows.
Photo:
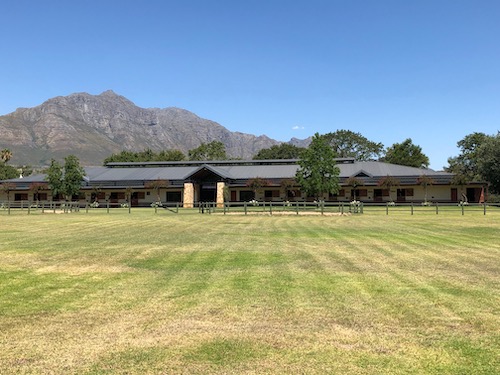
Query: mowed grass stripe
(190,293)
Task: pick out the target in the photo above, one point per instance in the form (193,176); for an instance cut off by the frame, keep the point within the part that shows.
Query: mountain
(93,127)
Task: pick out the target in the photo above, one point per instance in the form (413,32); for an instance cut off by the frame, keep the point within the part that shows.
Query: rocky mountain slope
(93,127)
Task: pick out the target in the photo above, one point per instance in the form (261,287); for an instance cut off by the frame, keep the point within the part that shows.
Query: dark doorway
(473,194)
(401,197)
(208,194)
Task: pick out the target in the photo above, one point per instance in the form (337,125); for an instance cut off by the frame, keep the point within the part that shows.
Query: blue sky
(389,69)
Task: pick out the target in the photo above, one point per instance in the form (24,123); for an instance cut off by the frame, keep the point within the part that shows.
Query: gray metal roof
(137,173)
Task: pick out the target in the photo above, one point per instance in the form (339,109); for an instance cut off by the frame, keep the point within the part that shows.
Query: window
(246,195)
(21,196)
(174,196)
(271,194)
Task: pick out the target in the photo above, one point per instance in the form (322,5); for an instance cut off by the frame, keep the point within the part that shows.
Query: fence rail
(66,207)
(329,208)
(260,207)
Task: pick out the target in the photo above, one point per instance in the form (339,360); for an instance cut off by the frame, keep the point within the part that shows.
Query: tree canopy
(348,144)
(318,173)
(466,163)
(146,155)
(281,151)
(5,155)
(65,179)
(214,150)
(488,162)
(6,171)
(406,153)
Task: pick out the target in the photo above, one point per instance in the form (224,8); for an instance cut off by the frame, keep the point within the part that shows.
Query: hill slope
(93,127)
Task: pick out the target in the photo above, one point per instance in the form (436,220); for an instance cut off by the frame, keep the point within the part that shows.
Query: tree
(7,172)
(209,151)
(466,163)
(65,180)
(317,173)
(287,185)
(36,187)
(73,176)
(256,184)
(54,177)
(425,181)
(145,156)
(156,185)
(348,144)
(388,182)
(488,162)
(5,155)
(353,182)
(7,187)
(406,153)
(170,155)
(281,151)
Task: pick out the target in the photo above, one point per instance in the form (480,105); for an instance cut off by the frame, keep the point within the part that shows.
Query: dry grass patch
(201,294)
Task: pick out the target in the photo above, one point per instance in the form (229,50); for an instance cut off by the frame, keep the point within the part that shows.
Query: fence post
(342,208)
(387,209)
(29,207)
(271,208)
(461,204)
(361,207)
(297,207)
(43,207)
(437,209)
(322,204)
(245,206)
(484,208)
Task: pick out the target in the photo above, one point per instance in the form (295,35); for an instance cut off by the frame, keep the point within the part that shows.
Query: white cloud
(297,127)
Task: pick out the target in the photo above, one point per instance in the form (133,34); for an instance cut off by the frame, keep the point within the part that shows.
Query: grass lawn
(187,293)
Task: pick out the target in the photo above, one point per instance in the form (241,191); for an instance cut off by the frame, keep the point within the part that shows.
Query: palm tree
(425,181)
(5,155)
(388,182)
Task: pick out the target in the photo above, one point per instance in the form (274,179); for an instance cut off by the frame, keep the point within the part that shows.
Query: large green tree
(214,150)
(281,151)
(54,177)
(318,173)
(488,162)
(348,144)
(6,171)
(65,179)
(406,153)
(466,163)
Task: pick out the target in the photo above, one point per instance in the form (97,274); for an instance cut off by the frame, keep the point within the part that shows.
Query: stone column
(219,199)
(188,195)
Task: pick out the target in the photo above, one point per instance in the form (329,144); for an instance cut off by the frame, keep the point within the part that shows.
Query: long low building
(189,183)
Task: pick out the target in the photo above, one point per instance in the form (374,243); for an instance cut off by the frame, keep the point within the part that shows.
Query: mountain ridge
(93,127)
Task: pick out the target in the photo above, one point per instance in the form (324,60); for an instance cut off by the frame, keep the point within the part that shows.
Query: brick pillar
(220,194)
(188,195)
